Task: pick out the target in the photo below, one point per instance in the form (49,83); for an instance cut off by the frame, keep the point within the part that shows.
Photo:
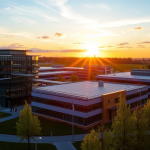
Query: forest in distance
(118,64)
(94,60)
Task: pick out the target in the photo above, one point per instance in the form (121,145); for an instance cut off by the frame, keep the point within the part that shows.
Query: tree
(74,78)
(27,125)
(106,138)
(61,78)
(141,134)
(101,140)
(147,112)
(145,67)
(123,127)
(91,141)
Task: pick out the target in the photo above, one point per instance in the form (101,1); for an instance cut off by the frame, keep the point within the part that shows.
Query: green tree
(145,67)
(28,125)
(60,78)
(141,134)
(74,78)
(147,112)
(123,127)
(101,140)
(106,138)
(91,141)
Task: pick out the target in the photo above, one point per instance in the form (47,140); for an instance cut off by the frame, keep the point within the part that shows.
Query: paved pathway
(14,114)
(64,146)
(61,142)
(45,139)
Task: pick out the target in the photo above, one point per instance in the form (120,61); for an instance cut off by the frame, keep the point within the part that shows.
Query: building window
(116,100)
(68,105)
(144,93)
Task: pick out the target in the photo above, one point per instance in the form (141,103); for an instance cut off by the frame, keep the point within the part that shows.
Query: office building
(136,76)
(83,73)
(16,72)
(89,102)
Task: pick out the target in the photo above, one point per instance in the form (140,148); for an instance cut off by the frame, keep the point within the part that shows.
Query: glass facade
(18,66)
(67,117)
(66,105)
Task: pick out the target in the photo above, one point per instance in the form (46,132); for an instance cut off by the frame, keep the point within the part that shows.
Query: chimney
(100,83)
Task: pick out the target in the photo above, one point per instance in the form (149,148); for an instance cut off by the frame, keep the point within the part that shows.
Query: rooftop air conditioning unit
(100,83)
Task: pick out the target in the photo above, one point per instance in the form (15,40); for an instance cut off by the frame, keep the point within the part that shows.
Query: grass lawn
(58,128)
(125,67)
(23,146)
(9,127)
(3,115)
(77,145)
(48,126)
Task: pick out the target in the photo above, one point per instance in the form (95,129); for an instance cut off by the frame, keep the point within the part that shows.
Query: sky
(76,28)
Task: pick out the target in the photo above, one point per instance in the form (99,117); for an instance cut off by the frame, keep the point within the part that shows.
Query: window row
(68,105)
(132,96)
(18,92)
(5,62)
(67,117)
(138,103)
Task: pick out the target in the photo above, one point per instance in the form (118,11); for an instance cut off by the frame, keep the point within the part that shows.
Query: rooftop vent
(100,83)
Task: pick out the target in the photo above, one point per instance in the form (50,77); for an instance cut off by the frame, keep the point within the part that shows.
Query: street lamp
(40,138)
(73,121)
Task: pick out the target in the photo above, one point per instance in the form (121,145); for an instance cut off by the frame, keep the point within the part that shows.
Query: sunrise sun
(92,48)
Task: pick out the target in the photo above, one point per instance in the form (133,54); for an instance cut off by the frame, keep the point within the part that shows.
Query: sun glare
(92,48)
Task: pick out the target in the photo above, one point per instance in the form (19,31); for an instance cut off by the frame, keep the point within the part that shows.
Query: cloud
(7,8)
(58,34)
(37,50)
(146,42)
(10,36)
(78,43)
(13,46)
(101,47)
(5,31)
(103,33)
(61,35)
(31,11)
(77,34)
(65,11)
(45,37)
(138,28)
(98,6)
(23,20)
(120,23)
(124,47)
(121,44)
(141,46)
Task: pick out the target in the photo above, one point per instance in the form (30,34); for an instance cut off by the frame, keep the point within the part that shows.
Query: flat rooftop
(49,81)
(61,68)
(86,90)
(55,73)
(125,75)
